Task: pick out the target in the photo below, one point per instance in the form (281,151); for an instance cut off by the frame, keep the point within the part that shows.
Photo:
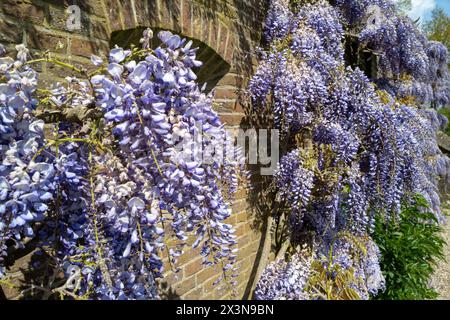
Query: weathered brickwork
(232,28)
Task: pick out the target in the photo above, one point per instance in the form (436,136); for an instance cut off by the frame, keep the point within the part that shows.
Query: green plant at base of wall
(410,248)
(446,112)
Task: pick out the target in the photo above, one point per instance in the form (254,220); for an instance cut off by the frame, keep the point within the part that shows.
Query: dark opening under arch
(363,58)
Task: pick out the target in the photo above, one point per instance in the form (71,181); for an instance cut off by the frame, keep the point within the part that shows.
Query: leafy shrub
(446,113)
(409,251)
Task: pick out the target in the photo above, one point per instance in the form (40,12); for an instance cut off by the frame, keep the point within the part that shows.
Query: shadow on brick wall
(261,198)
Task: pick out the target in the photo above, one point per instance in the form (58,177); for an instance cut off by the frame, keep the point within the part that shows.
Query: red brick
(165,12)
(246,250)
(85,48)
(241,217)
(34,13)
(10,32)
(55,71)
(246,238)
(226,93)
(193,267)
(246,263)
(188,254)
(98,30)
(113,11)
(128,14)
(231,79)
(224,104)
(207,273)
(206,27)
(166,265)
(175,9)
(242,193)
(44,40)
(184,286)
(195,294)
(173,277)
(210,296)
(231,219)
(230,48)
(197,29)
(223,39)
(255,236)
(213,33)
(228,105)
(239,206)
(186,17)
(209,285)
(232,119)
(240,230)
(142,13)
(94,7)
(90,7)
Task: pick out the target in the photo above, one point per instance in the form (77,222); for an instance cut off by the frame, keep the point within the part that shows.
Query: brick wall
(232,28)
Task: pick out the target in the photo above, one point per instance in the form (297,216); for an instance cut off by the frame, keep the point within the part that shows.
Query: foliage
(438,28)
(410,248)
(103,195)
(353,148)
(446,112)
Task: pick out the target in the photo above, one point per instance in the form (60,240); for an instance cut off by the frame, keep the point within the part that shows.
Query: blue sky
(422,8)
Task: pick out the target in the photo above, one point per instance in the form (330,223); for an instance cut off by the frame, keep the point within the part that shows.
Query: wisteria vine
(118,174)
(358,146)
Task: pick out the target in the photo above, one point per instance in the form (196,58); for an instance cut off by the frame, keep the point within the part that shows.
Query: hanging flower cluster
(409,64)
(358,150)
(110,189)
(26,174)
(306,276)
(284,280)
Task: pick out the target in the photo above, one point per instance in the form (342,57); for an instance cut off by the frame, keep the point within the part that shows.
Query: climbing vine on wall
(104,190)
(356,147)
(93,179)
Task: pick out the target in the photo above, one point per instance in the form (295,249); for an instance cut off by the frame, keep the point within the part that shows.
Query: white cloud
(421,8)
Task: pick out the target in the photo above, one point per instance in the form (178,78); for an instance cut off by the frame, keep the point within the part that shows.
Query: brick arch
(231,28)
(185,17)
